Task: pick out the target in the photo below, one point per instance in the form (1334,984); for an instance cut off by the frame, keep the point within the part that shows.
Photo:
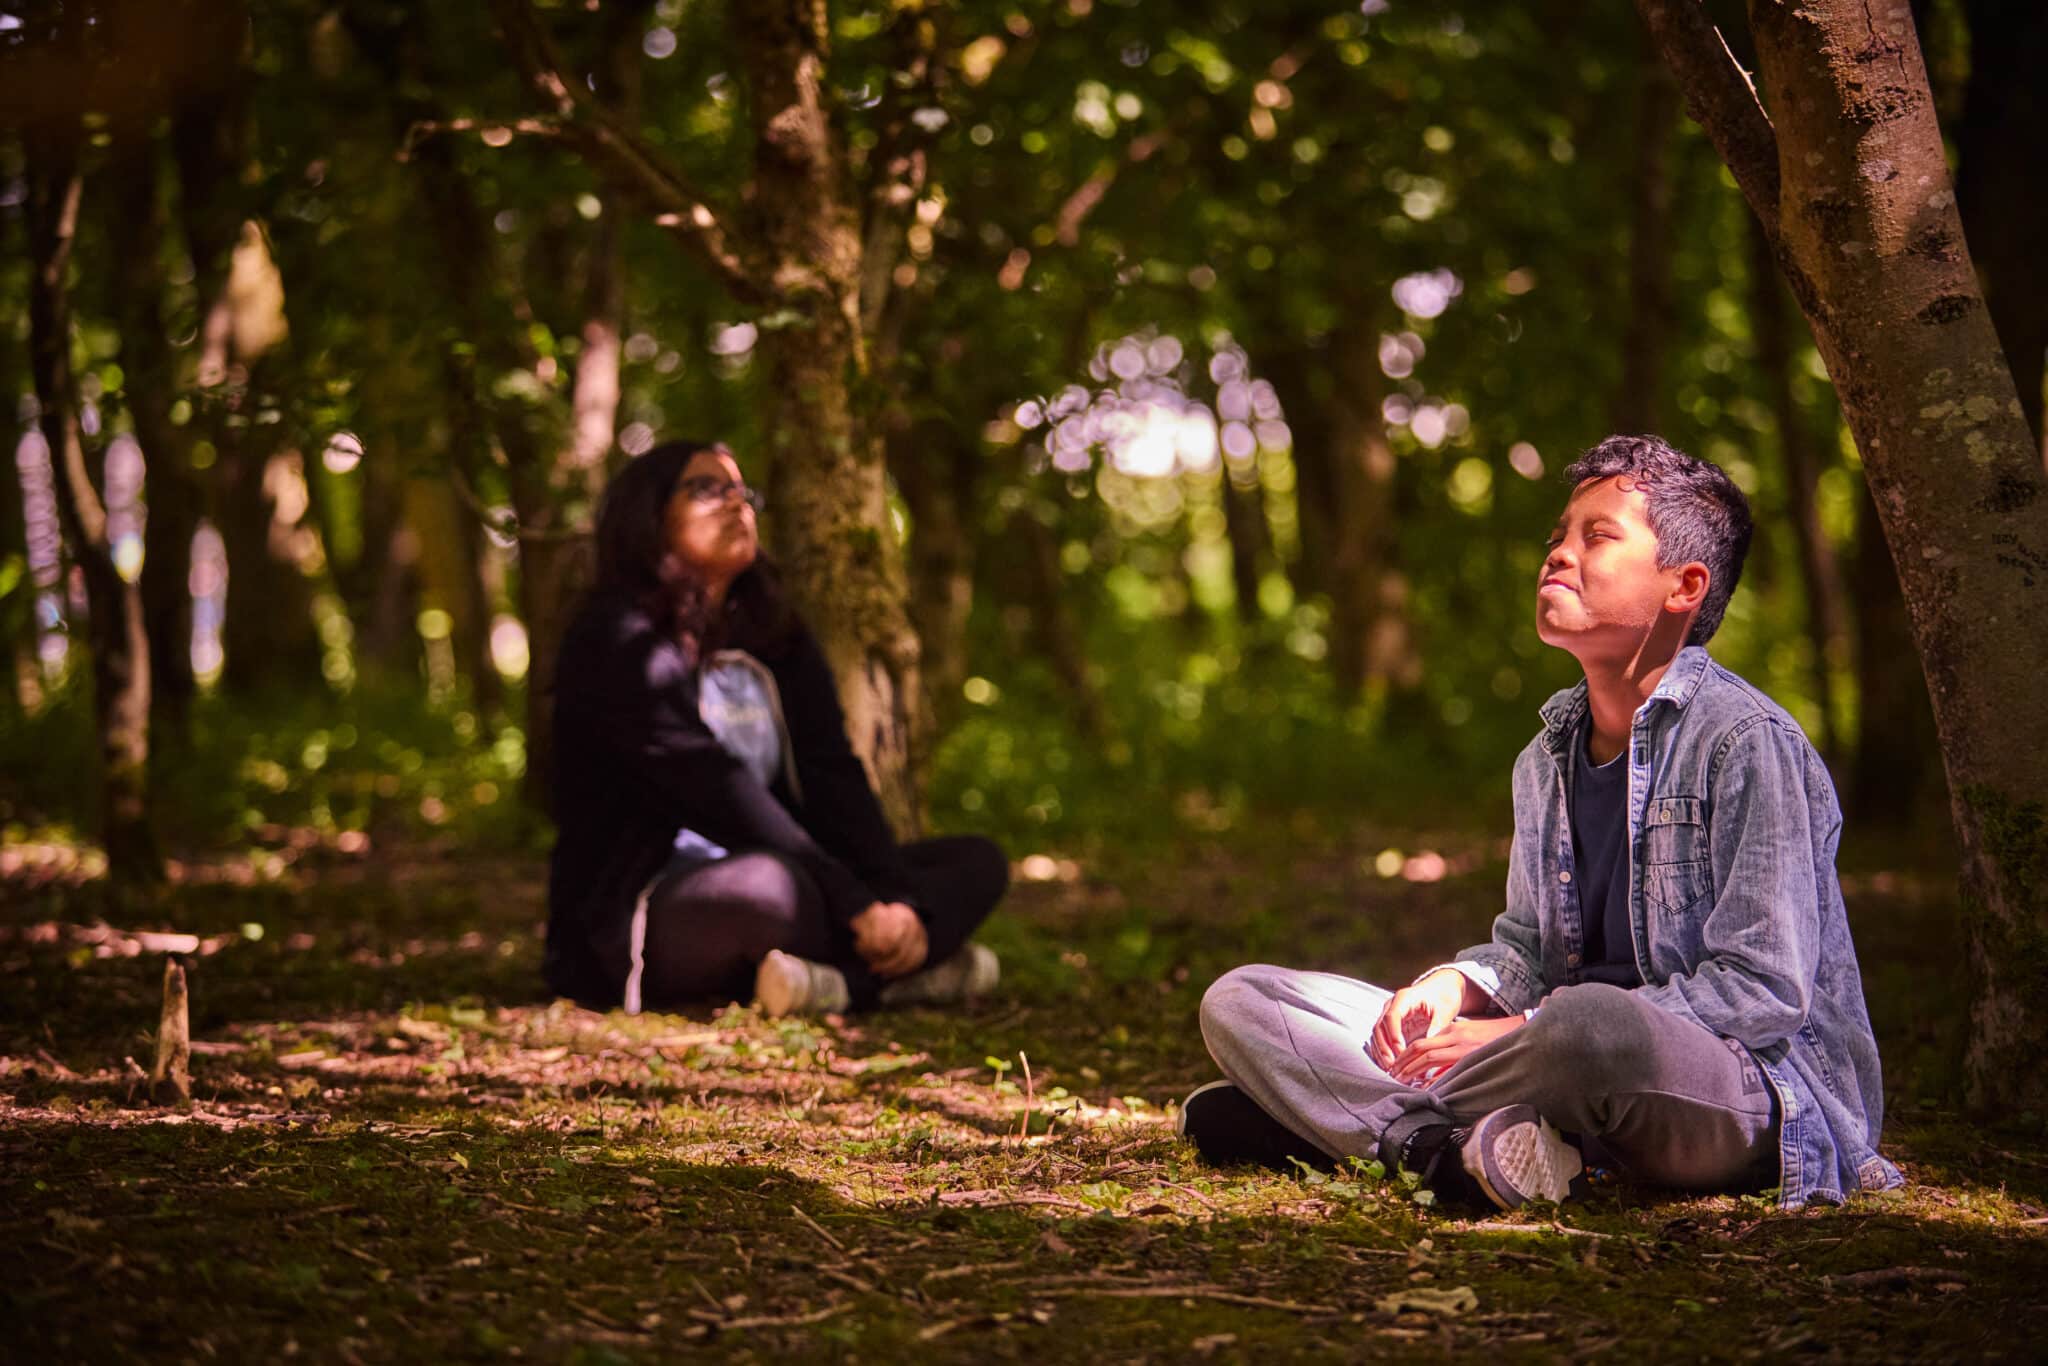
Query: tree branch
(1074,212)
(898,164)
(622,156)
(1720,99)
(494,132)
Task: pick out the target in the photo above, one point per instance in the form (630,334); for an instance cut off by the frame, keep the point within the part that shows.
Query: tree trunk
(1638,404)
(444,531)
(1999,186)
(1052,621)
(1315,495)
(1850,180)
(1820,575)
(120,649)
(935,478)
(830,515)
(554,569)
(1371,643)
(268,634)
(796,251)
(1251,543)
(17,581)
(1897,750)
(135,234)
(378,586)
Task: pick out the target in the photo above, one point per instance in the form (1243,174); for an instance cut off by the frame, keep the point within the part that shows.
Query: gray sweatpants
(1668,1101)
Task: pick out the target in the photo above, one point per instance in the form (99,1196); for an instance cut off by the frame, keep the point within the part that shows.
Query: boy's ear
(1693,581)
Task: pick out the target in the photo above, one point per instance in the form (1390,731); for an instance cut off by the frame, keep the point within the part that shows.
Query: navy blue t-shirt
(1599,811)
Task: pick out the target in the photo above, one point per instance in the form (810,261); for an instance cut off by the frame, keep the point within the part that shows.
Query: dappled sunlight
(368,1047)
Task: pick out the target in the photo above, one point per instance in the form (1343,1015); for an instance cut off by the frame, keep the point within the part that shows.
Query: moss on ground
(399,1150)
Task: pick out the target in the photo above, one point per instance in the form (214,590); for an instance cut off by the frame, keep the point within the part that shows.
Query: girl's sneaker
(969,973)
(787,985)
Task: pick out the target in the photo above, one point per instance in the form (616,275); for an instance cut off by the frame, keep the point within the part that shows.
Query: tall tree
(1999,186)
(1898,753)
(794,248)
(1850,182)
(1820,574)
(119,647)
(135,235)
(1646,341)
(1370,640)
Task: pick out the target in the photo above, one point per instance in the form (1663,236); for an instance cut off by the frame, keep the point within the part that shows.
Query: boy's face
(1601,594)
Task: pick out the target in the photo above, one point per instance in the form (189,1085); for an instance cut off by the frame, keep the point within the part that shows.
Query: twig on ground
(982,1199)
(709,1298)
(1191,1292)
(1894,1275)
(971,1269)
(295,1215)
(596,1316)
(1024,1129)
(846,1279)
(1190,1190)
(818,1229)
(765,1321)
(355,1252)
(1494,1226)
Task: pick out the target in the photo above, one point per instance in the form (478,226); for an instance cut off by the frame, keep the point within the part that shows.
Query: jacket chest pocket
(1676,869)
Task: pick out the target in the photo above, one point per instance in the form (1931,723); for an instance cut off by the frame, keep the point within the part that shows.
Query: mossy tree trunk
(1849,179)
(795,249)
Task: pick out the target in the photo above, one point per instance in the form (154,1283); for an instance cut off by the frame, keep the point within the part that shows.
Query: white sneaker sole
(781,985)
(1516,1156)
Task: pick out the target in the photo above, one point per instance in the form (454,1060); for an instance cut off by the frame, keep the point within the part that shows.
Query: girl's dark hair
(634,561)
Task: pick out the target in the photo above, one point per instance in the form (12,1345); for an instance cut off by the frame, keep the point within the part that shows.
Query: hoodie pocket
(1676,870)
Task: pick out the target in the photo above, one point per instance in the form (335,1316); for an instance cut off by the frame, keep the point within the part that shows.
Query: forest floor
(399,1150)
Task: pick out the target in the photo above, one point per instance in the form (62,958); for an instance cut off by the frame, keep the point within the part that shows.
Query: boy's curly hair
(1694,508)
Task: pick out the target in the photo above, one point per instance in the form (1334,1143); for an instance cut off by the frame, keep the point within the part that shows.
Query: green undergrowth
(400,1149)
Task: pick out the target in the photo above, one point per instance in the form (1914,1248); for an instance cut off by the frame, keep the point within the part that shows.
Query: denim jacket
(1735,909)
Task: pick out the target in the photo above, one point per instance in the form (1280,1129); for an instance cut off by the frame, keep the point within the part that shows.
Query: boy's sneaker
(1230,1129)
(787,985)
(1513,1156)
(969,973)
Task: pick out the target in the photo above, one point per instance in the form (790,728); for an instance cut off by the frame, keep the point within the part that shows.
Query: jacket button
(1564,875)
(1665,814)
(1571,960)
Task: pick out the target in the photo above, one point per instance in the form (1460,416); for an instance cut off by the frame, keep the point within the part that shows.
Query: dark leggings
(709,924)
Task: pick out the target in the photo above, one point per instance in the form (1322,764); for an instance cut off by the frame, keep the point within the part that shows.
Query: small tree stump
(171,1080)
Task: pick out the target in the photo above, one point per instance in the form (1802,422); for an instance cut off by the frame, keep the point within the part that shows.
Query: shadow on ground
(399,1149)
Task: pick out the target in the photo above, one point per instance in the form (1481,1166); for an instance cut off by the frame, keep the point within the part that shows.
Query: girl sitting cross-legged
(717,832)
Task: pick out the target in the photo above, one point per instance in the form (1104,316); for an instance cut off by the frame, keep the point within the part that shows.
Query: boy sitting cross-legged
(1672,981)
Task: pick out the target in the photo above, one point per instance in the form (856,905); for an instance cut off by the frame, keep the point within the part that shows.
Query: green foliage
(264,773)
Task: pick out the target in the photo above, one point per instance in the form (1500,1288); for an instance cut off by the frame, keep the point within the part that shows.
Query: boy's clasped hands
(1424,1028)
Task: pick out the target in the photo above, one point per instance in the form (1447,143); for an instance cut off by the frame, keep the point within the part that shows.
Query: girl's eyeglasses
(710,491)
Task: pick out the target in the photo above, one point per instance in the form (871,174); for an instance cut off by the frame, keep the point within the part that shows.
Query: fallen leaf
(1458,1299)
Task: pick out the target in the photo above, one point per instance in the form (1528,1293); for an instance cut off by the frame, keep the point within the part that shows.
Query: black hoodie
(634,763)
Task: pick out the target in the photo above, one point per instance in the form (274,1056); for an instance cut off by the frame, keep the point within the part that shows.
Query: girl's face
(710,518)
